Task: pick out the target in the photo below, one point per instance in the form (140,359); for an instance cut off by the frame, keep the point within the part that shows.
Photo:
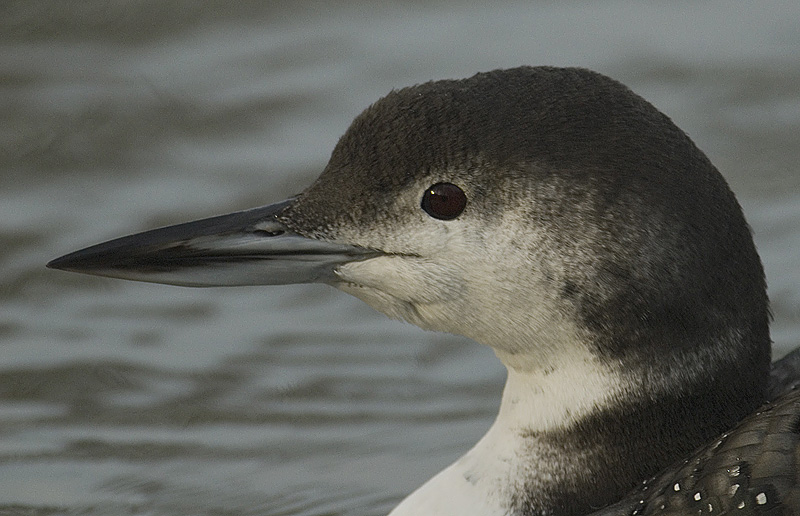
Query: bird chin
(408,288)
(386,303)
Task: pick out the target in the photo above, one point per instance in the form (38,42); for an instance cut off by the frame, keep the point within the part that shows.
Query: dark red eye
(444,201)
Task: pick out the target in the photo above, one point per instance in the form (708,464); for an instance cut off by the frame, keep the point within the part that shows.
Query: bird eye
(444,201)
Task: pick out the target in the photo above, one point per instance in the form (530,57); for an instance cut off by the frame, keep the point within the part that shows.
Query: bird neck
(572,438)
(558,396)
(513,457)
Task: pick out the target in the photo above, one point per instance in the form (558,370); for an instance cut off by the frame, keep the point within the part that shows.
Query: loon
(559,218)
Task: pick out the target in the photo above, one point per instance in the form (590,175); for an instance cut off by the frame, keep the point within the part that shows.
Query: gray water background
(115,117)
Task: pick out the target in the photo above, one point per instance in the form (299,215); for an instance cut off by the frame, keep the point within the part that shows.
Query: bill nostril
(267,233)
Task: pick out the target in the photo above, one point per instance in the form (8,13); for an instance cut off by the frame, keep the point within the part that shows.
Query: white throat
(510,457)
